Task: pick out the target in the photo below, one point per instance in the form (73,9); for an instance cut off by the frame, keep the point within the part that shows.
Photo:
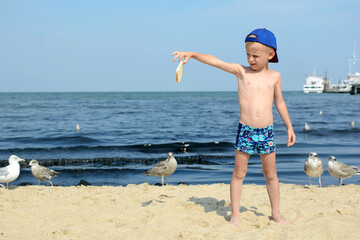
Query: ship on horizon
(351,84)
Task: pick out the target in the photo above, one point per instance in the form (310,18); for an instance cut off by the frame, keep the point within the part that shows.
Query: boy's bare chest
(257,84)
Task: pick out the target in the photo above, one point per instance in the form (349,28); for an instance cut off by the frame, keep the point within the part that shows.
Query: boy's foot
(281,220)
(235,221)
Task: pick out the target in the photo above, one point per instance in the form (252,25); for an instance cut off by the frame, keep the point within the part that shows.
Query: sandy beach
(176,212)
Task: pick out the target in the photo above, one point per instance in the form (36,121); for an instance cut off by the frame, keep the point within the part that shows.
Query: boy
(258,86)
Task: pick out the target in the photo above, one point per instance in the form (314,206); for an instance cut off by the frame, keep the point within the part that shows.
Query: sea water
(126,133)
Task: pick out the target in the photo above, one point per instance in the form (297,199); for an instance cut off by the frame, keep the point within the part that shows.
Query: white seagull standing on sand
(41,173)
(313,167)
(11,172)
(164,168)
(341,170)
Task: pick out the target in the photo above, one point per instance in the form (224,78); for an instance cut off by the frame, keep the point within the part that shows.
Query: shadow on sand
(222,208)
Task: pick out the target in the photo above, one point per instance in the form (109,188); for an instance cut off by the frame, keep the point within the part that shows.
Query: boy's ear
(271,54)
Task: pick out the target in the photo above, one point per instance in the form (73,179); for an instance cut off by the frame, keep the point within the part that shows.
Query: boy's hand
(181,55)
(291,137)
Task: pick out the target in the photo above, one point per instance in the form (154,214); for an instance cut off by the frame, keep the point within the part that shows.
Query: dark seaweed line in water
(200,159)
(156,148)
(115,161)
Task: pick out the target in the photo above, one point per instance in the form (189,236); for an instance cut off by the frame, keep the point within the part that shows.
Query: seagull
(11,172)
(321,112)
(78,127)
(307,127)
(341,170)
(352,123)
(164,168)
(313,167)
(42,173)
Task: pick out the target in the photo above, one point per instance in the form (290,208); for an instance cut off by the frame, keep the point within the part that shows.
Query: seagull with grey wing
(341,170)
(164,168)
(11,172)
(313,167)
(42,173)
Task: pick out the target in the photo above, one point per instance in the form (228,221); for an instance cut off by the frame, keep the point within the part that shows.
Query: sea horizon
(129,91)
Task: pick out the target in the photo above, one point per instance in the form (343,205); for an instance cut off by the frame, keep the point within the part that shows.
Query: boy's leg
(272,185)
(239,173)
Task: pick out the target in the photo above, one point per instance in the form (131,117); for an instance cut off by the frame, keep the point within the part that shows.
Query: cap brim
(274,59)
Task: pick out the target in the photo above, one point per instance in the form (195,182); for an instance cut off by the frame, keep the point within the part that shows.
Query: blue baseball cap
(266,37)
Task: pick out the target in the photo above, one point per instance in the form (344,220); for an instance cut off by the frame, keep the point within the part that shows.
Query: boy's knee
(270,175)
(239,174)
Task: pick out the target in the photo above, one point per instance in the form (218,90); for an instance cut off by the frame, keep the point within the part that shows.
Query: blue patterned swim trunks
(249,138)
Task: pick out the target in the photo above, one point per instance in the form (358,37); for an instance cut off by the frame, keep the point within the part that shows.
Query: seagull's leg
(7,185)
(51,183)
(320,181)
(166,180)
(162,180)
(310,180)
(39,182)
(3,186)
(340,181)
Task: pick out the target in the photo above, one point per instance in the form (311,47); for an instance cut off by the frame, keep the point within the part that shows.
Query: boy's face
(258,55)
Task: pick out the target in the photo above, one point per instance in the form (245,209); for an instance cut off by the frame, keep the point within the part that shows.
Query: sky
(101,46)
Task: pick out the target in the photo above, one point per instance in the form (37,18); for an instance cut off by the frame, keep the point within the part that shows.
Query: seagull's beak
(22,160)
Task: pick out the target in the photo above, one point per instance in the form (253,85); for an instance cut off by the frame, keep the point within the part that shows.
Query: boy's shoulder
(247,72)
(247,69)
(273,72)
(274,75)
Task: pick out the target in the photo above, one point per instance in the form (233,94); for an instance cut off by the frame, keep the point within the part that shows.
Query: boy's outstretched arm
(208,59)
(283,111)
